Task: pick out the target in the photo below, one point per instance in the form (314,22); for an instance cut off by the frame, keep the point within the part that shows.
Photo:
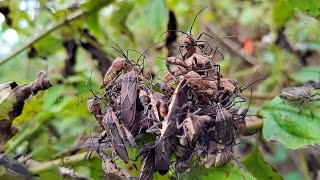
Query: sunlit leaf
(255,163)
(309,7)
(153,17)
(229,171)
(292,126)
(306,74)
(281,13)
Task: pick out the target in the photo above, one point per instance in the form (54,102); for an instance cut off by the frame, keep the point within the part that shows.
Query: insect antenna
(195,19)
(145,52)
(90,89)
(249,83)
(175,31)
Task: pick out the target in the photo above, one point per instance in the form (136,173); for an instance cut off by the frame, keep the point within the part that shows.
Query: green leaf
(52,41)
(94,5)
(281,13)
(309,7)
(292,126)
(94,26)
(153,17)
(228,171)
(255,163)
(306,74)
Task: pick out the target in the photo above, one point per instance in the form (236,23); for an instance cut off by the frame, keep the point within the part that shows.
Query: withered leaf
(12,97)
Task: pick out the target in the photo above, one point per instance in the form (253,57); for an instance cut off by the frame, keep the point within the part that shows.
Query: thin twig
(75,15)
(40,167)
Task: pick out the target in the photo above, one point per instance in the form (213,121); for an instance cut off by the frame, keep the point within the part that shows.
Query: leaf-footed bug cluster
(192,118)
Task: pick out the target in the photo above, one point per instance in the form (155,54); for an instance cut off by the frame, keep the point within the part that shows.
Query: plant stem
(68,19)
(253,123)
(40,167)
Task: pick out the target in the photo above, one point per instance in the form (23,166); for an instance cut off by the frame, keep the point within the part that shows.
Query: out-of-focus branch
(260,96)
(230,44)
(43,34)
(40,167)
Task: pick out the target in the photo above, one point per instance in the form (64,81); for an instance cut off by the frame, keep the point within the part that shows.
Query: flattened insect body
(192,127)
(218,159)
(112,170)
(223,115)
(184,162)
(128,97)
(296,95)
(162,155)
(148,164)
(114,135)
(117,66)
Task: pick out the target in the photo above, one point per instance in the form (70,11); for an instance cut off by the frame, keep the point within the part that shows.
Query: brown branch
(230,44)
(40,167)
(43,34)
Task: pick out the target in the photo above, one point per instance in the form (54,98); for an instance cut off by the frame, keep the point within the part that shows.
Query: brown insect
(112,170)
(296,95)
(94,108)
(179,98)
(184,162)
(111,132)
(192,127)
(128,97)
(221,157)
(14,166)
(117,66)
(188,43)
(163,150)
(148,162)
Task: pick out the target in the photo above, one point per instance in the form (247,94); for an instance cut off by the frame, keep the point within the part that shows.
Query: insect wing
(128,97)
(14,166)
(179,98)
(162,156)
(148,166)
(113,133)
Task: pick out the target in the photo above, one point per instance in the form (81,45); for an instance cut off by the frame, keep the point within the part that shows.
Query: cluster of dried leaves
(190,119)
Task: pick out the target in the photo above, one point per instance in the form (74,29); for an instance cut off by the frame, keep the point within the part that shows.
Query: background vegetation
(69,38)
